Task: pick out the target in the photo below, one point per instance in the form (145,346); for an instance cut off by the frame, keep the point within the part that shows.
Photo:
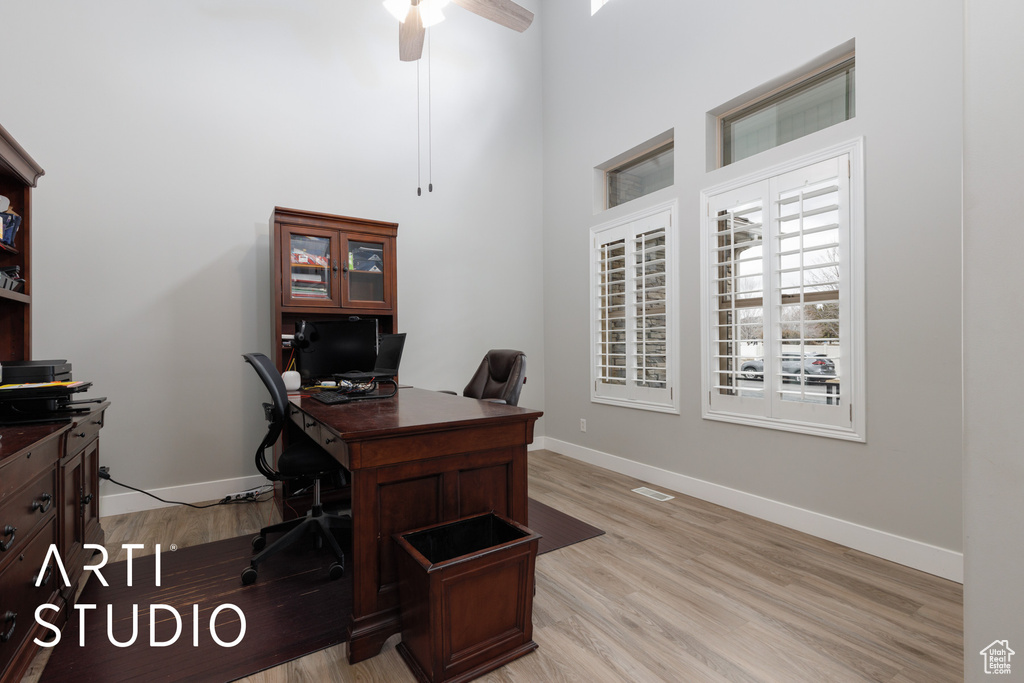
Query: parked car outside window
(816,368)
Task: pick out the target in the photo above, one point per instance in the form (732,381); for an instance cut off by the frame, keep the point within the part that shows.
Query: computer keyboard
(330,397)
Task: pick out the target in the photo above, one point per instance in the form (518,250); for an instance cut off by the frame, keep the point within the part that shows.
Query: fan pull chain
(430,127)
(419,184)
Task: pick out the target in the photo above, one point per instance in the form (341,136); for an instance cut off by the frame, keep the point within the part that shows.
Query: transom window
(636,173)
(820,99)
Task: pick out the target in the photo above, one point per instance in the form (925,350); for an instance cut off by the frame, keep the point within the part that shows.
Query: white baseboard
(132,501)
(942,562)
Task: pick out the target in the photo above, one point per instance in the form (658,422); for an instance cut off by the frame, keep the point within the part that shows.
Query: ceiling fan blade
(410,36)
(504,12)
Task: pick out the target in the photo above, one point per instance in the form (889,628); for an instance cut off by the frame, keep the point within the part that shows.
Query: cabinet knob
(80,435)
(12,618)
(8,531)
(43,504)
(328,440)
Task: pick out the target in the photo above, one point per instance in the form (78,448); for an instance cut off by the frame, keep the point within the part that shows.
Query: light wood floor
(676,591)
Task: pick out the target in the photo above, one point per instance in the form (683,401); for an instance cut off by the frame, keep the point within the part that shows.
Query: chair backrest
(501,375)
(277,412)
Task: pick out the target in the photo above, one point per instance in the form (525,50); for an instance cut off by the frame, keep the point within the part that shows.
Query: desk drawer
(333,444)
(307,424)
(19,596)
(82,433)
(27,466)
(24,509)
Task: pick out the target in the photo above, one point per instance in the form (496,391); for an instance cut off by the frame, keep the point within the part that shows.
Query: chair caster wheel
(258,543)
(337,571)
(248,576)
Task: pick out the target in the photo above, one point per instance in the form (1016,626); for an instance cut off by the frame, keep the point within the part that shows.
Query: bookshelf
(18,175)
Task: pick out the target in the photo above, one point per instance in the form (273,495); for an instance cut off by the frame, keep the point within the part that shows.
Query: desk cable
(227,500)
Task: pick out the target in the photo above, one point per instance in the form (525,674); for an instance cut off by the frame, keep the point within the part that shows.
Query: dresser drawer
(19,595)
(82,432)
(27,466)
(22,511)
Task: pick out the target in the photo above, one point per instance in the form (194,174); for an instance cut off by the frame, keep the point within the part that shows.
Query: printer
(40,391)
(35,371)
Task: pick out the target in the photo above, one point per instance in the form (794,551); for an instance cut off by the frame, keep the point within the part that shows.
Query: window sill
(637,404)
(843,433)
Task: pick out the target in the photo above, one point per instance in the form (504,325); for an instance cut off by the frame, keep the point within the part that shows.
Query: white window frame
(631,394)
(848,419)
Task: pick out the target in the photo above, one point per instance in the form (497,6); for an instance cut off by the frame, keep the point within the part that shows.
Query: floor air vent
(651,493)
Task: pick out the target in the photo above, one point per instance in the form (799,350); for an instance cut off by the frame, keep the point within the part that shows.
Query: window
(783,278)
(641,176)
(632,320)
(820,99)
(638,172)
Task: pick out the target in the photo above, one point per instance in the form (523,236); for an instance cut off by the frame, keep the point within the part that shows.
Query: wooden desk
(417,459)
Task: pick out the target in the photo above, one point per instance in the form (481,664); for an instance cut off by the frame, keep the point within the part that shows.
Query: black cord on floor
(255,498)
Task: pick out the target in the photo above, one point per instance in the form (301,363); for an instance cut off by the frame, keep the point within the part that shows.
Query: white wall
(169,131)
(993,282)
(640,67)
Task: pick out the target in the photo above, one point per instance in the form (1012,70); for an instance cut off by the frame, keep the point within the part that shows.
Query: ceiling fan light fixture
(399,9)
(430,12)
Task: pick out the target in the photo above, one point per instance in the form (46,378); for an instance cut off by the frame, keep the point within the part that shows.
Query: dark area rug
(557,528)
(291,611)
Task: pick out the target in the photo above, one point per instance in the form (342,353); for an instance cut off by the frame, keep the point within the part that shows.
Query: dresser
(49,494)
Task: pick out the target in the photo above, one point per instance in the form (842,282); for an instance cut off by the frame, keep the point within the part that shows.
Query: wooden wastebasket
(466,594)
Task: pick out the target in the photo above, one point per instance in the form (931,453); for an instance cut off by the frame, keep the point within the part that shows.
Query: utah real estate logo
(997,657)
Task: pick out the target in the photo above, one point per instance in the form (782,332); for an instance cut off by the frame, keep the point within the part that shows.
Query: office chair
(302,459)
(500,377)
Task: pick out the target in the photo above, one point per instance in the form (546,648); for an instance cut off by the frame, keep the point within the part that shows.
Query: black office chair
(500,377)
(302,459)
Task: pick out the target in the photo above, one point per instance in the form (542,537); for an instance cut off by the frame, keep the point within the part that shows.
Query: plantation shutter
(611,352)
(779,342)
(632,319)
(810,222)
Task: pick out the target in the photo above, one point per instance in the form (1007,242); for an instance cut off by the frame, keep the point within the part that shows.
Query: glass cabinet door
(311,269)
(367,264)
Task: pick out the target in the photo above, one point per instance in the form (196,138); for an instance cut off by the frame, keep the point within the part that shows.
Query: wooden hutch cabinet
(18,175)
(327,267)
(331,267)
(49,472)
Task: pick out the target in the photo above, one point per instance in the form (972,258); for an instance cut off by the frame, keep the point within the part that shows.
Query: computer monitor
(389,357)
(336,346)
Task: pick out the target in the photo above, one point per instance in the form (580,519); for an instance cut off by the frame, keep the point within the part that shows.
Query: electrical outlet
(583,425)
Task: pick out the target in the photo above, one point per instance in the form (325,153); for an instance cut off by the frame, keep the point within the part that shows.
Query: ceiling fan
(418,15)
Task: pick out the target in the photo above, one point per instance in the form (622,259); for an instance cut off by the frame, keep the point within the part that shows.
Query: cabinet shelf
(20,297)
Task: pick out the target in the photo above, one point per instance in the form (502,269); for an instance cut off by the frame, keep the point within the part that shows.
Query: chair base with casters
(316,523)
(304,459)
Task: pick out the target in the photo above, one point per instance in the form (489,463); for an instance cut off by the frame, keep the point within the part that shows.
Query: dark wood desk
(417,459)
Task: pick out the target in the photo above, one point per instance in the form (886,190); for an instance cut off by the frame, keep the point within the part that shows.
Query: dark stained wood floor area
(676,591)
